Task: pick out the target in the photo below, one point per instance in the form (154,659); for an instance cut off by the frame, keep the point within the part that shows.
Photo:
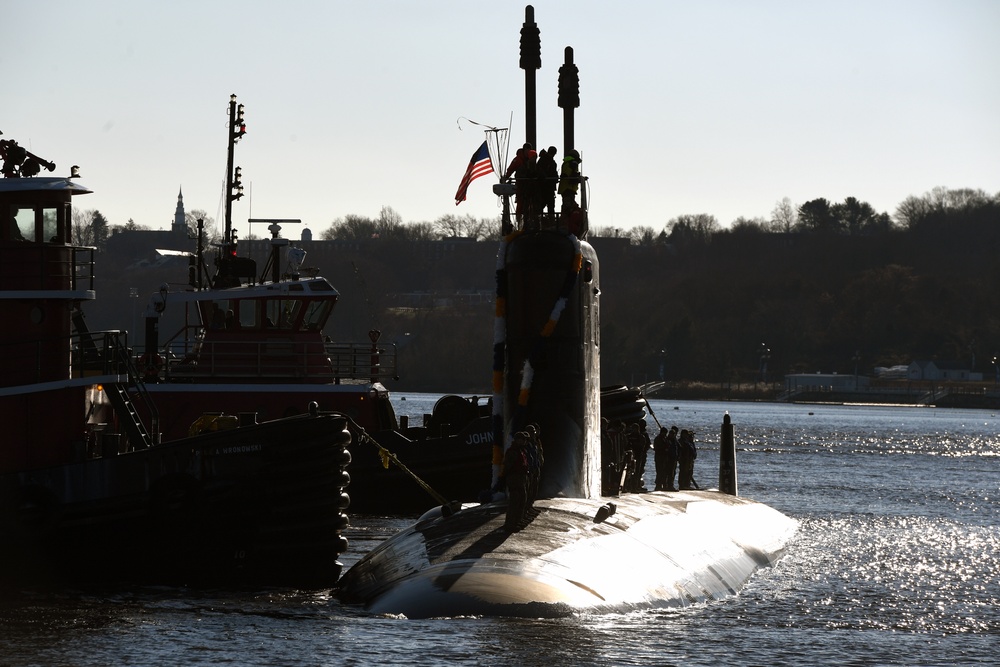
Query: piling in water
(727,458)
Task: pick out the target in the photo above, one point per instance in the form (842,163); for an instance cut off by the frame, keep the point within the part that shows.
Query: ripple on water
(911,574)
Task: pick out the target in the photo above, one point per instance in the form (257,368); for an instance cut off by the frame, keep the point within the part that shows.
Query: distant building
(897,372)
(942,371)
(825,382)
(139,245)
(180,223)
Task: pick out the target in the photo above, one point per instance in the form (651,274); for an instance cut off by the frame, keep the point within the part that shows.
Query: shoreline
(944,397)
(963,398)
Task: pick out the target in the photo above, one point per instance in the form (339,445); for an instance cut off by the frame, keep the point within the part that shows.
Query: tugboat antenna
(234,175)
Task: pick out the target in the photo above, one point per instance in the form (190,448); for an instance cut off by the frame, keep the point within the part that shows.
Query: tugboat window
(213,314)
(282,313)
(50,226)
(23,228)
(316,315)
(247,313)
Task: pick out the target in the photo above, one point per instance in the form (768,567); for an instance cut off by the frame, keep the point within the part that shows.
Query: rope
(387,457)
(650,408)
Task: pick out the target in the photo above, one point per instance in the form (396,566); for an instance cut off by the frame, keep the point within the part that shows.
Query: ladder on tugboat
(129,416)
(120,359)
(117,361)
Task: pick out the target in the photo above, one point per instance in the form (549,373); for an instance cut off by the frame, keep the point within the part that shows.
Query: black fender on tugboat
(622,403)
(344,457)
(612,393)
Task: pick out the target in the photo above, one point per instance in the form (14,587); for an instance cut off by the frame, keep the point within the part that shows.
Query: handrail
(276,358)
(120,358)
(84,355)
(87,266)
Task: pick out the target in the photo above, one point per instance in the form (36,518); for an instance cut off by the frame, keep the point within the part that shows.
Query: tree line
(825,287)
(850,217)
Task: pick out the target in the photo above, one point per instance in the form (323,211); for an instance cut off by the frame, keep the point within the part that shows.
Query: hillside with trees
(822,287)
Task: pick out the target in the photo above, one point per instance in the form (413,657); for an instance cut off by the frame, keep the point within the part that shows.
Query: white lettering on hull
(238,449)
(479,438)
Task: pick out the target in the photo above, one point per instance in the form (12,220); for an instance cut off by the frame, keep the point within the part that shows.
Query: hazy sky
(718,107)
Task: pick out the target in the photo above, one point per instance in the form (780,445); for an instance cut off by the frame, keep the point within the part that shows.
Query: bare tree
(191,218)
(461,226)
(692,229)
(642,235)
(609,232)
(783,217)
(83,233)
(389,224)
(750,225)
(493,231)
(911,210)
(351,227)
(420,231)
(942,204)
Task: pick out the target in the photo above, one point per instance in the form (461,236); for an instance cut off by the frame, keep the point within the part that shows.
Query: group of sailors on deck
(674,454)
(626,446)
(537,180)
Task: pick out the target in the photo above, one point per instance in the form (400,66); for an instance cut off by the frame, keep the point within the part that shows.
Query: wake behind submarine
(576,551)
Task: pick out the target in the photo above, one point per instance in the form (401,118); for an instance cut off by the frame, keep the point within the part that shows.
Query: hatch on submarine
(574,550)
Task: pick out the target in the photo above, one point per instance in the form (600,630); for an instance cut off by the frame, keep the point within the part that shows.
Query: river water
(897,562)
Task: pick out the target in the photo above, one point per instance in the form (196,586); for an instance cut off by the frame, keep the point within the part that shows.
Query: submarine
(575,550)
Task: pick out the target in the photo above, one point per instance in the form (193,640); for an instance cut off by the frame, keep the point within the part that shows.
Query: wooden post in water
(727,458)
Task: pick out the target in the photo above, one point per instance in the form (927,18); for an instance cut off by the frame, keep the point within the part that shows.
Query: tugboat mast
(234,184)
(229,267)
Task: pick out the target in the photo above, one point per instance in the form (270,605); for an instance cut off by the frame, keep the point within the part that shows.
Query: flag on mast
(479,165)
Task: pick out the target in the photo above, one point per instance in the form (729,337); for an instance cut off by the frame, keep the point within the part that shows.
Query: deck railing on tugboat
(277,359)
(30,361)
(83,268)
(39,266)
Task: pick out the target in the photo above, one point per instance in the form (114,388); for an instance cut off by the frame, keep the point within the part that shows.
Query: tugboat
(89,490)
(254,341)
(575,548)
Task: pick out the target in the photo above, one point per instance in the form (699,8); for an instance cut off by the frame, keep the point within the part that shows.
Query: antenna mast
(234,177)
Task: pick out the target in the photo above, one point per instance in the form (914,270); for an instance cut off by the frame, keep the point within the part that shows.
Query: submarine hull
(656,550)
(573,551)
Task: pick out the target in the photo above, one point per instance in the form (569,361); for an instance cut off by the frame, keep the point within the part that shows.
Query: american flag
(479,165)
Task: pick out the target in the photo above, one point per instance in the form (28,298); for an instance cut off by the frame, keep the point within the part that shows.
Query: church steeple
(179,226)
